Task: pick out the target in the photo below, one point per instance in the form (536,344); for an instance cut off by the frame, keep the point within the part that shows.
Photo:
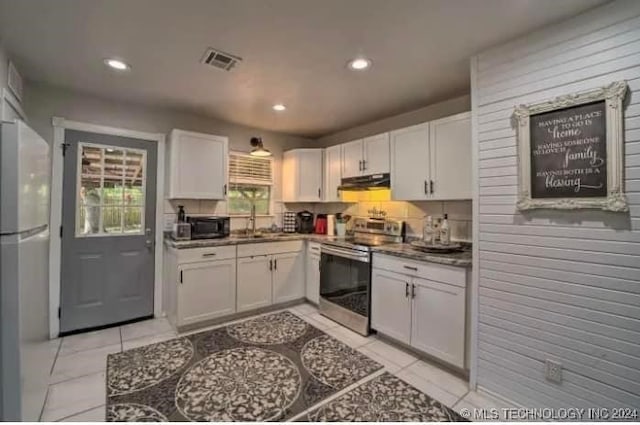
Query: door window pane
(111,191)
(133,220)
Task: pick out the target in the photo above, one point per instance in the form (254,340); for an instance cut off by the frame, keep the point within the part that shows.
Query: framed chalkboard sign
(570,151)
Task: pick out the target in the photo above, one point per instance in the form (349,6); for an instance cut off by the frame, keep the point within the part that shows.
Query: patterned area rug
(269,368)
(384,399)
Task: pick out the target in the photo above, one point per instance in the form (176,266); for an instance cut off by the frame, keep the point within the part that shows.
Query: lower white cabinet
(202,284)
(264,280)
(438,320)
(427,314)
(391,304)
(288,277)
(312,291)
(207,290)
(254,282)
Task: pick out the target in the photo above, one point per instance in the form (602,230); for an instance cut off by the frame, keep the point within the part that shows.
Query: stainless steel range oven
(345,271)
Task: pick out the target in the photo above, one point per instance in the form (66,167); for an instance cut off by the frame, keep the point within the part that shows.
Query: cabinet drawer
(313,248)
(193,255)
(435,272)
(268,248)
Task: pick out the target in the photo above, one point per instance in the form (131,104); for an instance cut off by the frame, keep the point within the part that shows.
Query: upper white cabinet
(366,156)
(302,175)
(432,160)
(451,157)
(196,166)
(410,163)
(332,173)
(352,159)
(376,154)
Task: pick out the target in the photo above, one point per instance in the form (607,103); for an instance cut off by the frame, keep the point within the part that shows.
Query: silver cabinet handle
(360,165)
(406,290)
(270,265)
(431,186)
(413,291)
(275,264)
(364,165)
(426,187)
(415,269)
(209,254)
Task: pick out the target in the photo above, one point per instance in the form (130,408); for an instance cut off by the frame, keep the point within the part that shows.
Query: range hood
(371,182)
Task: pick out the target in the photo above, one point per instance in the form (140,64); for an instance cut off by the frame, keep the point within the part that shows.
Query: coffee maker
(304,222)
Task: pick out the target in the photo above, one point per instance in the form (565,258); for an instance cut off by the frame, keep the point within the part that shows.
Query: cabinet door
(332,173)
(451,157)
(198,166)
(376,154)
(313,278)
(309,179)
(302,171)
(438,323)
(206,291)
(254,282)
(391,305)
(288,277)
(352,159)
(410,163)
(289,177)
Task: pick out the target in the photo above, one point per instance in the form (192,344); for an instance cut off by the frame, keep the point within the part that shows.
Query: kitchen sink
(258,235)
(249,236)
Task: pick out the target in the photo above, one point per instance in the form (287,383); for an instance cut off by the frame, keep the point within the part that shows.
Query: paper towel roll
(331,225)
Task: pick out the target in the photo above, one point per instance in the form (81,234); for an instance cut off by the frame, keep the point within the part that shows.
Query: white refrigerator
(25,176)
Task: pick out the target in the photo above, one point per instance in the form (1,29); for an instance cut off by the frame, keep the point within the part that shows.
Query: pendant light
(258,148)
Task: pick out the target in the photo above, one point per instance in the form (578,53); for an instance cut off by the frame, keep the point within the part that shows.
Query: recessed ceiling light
(279,107)
(117,64)
(359,64)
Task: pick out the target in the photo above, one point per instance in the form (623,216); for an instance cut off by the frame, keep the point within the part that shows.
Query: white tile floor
(77,385)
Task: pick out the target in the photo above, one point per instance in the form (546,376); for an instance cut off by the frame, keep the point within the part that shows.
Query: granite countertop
(404,250)
(236,240)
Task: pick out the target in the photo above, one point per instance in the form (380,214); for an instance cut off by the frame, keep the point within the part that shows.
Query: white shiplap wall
(554,284)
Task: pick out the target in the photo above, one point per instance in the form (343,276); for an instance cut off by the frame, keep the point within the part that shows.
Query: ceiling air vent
(220,59)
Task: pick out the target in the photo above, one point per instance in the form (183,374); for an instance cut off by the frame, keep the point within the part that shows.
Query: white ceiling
(294,52)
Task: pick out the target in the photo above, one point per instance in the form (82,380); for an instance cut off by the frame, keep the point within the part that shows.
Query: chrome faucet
(252,220)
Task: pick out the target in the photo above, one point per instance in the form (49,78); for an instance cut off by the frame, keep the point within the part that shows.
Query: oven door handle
(346,253)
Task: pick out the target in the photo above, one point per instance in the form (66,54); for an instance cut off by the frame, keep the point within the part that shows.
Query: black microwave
(209,227)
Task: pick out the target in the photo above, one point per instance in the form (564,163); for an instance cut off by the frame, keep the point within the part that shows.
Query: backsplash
(413,213)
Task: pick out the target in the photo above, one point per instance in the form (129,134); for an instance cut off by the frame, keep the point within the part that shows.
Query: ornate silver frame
(615,200)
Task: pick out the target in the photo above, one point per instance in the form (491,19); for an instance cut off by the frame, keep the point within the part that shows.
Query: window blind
(247,169)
